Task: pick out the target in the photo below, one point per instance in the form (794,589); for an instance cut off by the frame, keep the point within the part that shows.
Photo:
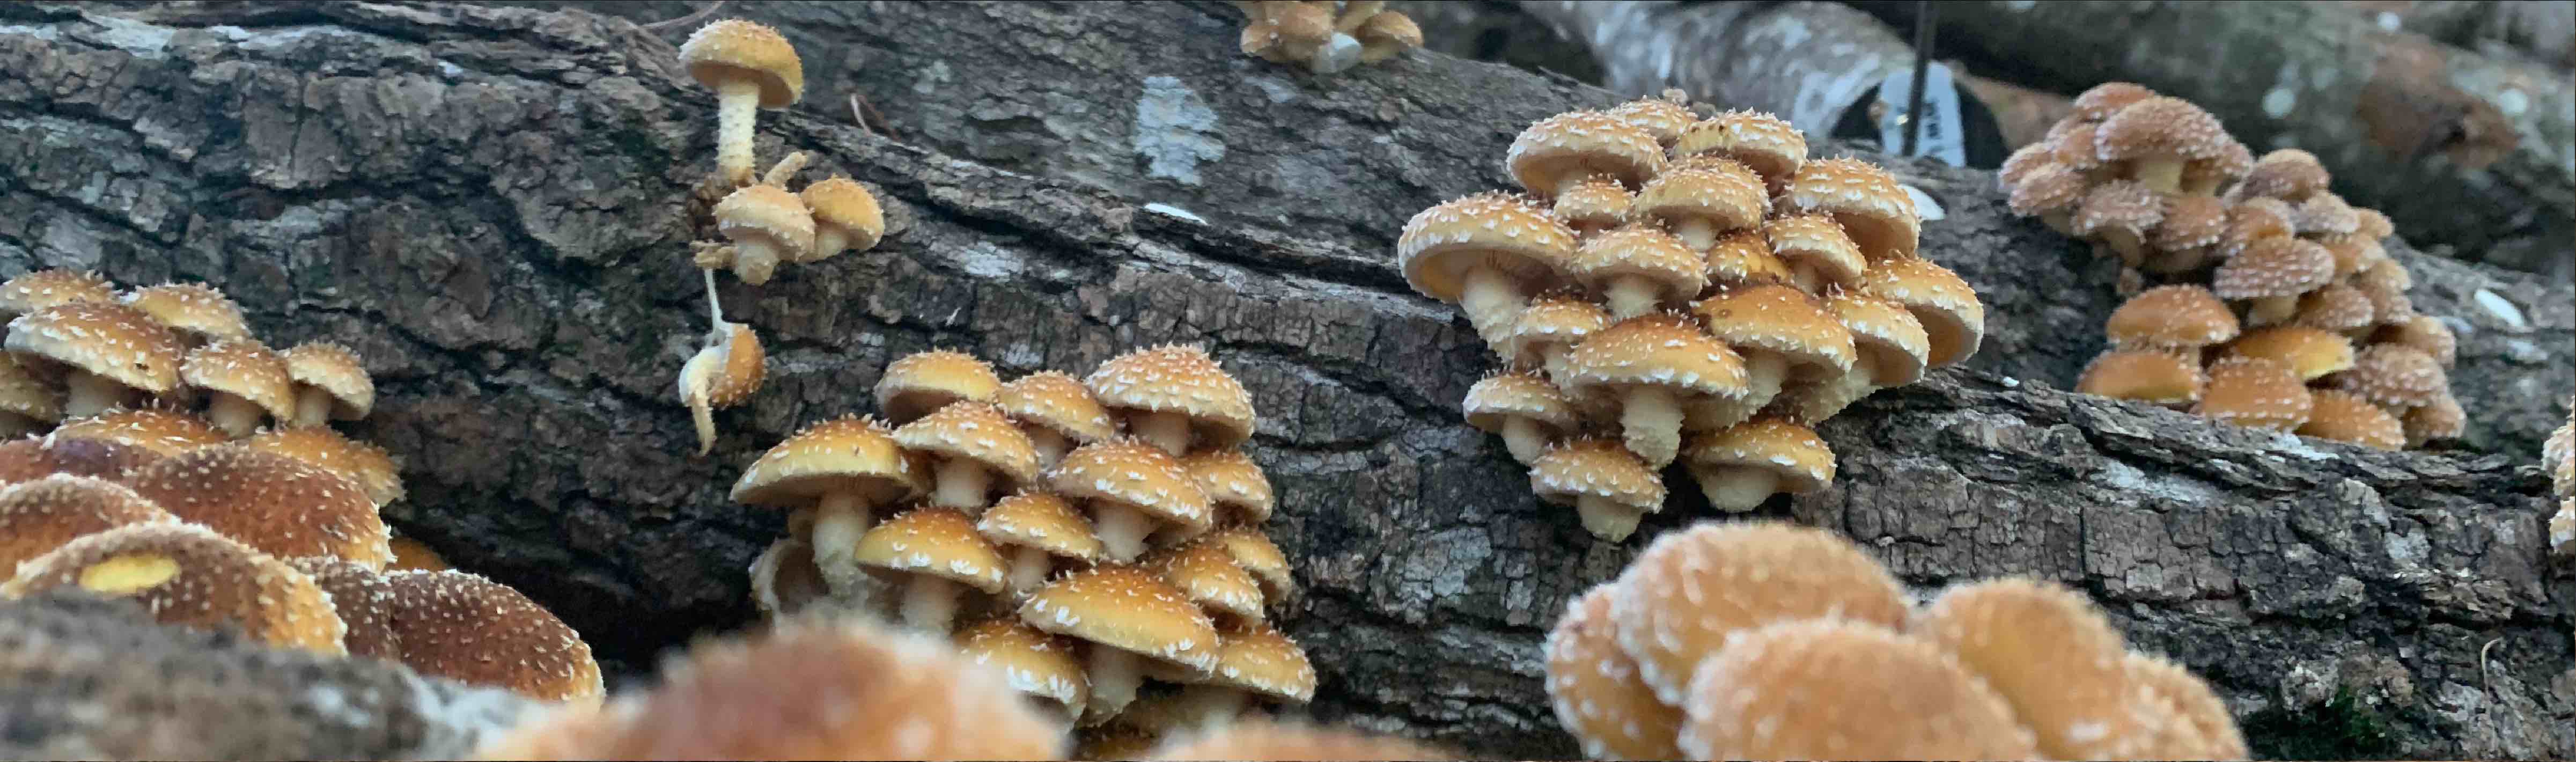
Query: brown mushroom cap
(410,554)
(110,340)
(2119,210)
(2308,352)
(1887,339)
(745,366)
(2346,417)
(2194,706)
(2177,316)
(1036,662)
(1559,320)
(364,600)
(1040,520)
(846,454)
(1058,402)
(2337,307)
(24,395)
(2252,220)
(769,217)
(1795,459)
(1593,205)
(940,542)
(1953,320)
(2049,189)
(38,289)
(192,309)
(335,370)
(1208,576)
(2324,213)
(1594,689)
(187,575)
(2288,174)
(730,49)
(921,382)
(1441,244)
(1691,590)
(1253,656)
(1702,196)
(1127,608)
(1658,349)
(40,515)
(2425,333)
(1744,256)
(363,463)
(1641,268)
(1132,474)
(1783,321)
(1254,551)
(35,457)
(242,368)
(2101,101)
(2160,131)
(282,506)
(2153,376)
(2047,651)
(2351,252)
(841,207)
(1609,485)
(1578,144)
(1839,689)
(1873,208)
(2206,175)
(2440,419)
(2190,223)
(1182,380)
(2256,393)
(2075,146)
(1232,481)
(1661,117)
(1493,402)
(1815,247)
(168,432)
(464,627)
(2022,163)
(2394,376)
(977,432)
(1385,35)
(1768,144)
(1266,740)
(2273,268)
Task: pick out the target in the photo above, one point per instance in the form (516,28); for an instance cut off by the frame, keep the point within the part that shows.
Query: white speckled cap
(941,542)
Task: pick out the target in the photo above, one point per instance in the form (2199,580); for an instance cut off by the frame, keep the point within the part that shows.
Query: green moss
(2343,728)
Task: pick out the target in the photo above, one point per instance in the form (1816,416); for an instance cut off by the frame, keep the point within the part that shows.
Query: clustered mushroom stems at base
(1122,529)
(1168,430)
(88,394)
(961,483)
(1650,421)
(737,104)
(930,602)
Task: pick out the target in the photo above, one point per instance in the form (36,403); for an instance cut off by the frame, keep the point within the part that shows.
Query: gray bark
(1808,62)
(2541,32)
(490,204)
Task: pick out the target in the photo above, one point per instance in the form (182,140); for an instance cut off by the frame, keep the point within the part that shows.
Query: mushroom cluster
(2273,304)
(1327,37)
(257,515)
(1765,640)
(1085,534)
(2558,458)
(751,67)
(1671,288)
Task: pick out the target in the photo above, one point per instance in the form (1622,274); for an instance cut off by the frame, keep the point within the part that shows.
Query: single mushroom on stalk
(846,218)
(936,555)
(2156,136)
(767,225)
(1593,206)
(1484,253)
(727,369)
(1691,591)
(841,470)
(1747,463)
(2053,193)
(1834,688)
(1816,251)
(2270,275)
(2120,213)
(921,382)
(1611,489)
(1549,327)
(750,67)
(1056,412)
(1769,145)
(1594,689)
(187,575)
(198,312)
(974,451)
(2185,239)
(1890,349)
(1039,664)
(1128,615)
(1175,397)
(108,353)
(1874,209)
(1701,198)
(330,384)
(282,506)
(2154,376)
(1385,35)
(1782,334)
(1036,528)
(1133,489)
(1237,490)
(247,383)
(2180,316)
(1953,319)
(40,515)
(1527,411)
(1253,661)
(1640,269)
(1655,366)
(1558,153)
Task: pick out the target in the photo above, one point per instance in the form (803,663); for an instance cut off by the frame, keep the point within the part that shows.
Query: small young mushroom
(1484,253)
(27,404)
(2255,393)
(1557,153)
(1057,413)
(1838,689)
(1175,397)
(1946,306)
(2204,176)
(2053,193)
(1037,663)
(767,225)
(1237,490)
(40,515)
(1743,257)
(729,367)
(1385,35)
(1593,206)
(935,553)
(1133,489)
(2308,352)
(1035,528)
(2440,419)
(2324,214)
(2184,240)
(362,463)
(2154,376)
(2048,652)
(2338,308)
(330,383)
(1747,463)
(2346,417)
(1207,575)
(282,506)
(1609,487)
(2156,137)
(2120,213)
(846,217)
(2253,220)
(1702,197)
(1594,689)
(2394,376)
(1890,349)
(1692,590)
(187,575)
(1548,328)
(247,383)
(1253,551)
(2271,274)
(2192,705)
(2425,333)
(921,382)
(1302,30)
(1872,206)
(1772,147)
(1128,615)
(1639,268)
(1527,411)
(841,469)
(2179,316)
(2288,174)
(2021,163)
(168,432)
(36,457)
(1655,366)
(38,289)
(1664,117)
(1816,251)
(1253,660)
(750,67)
(1783,335)
(110,353)
(197,312)
(974,451)
(364,600)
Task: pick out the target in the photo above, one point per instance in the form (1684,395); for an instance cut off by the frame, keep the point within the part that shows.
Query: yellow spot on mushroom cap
(841,202)
(1501,230)
(1838,689)
(1133,474)
(2150,375)
(2346,417)
(1691,590)
(975,431)
(1594,687)
(334,369)
(1492,402)
(2274,267)
(1208,576)
(1656,349)
(917,383)
(1231,479)
(2047,651)
(1578,143)
(364,599)
(941,542)
(462,626)
(2308,352)
(39,289)
(1885,332)
(2255,392)
(40,515)
(1794,452)
(847,454)
(1178,379)
(1771,146)
(1058,402)
(111,340)
(36,457)
(191,308)
(209,581)
(167,432)
(727,49)
(1035,661)
(1872,207)
(767,212)
(282,506)
(1772,317)
(1041,520)
(1642,251)
(1128,608)
(2176,316)
(1594,467)
(364,463)
(1268,740)
(245,369)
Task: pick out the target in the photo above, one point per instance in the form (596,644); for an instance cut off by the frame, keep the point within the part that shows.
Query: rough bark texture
(490,204)
(1814,60)
(2458,147)
(2542,32)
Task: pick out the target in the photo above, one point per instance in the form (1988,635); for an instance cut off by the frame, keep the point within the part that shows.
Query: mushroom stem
(1122,530)
(754,260)
(1114,677)
(840,519)
(697,379)
(1167,430)
(1492,300)
(1803,275)
(930,603)
(2271,309)
(1650,420)
(1526,438)
(312,405)
(1212,706)
(786,169)
(88,394)
(1697,233)
(2131,251)
(800,525)
(1717,414)
(1555,354)
(1051,446)
(1606,518)
(962,483)
(737,101)
(828,240)
(1029,567)
(1337,54)
(1736,489)
(233,413)
(1764,372)
(2162,173)
(1632,295)
(715,309)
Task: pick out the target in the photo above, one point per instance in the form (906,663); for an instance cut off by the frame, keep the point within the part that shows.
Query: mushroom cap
(194,309)
(2047,651)
(2252,220)
(1269,740)
(242,368)
(1794,452)
(1772,317)
(1134,474)
(23,393)
(2022,163)
(2385,282)
(841,202)
(2324,213)
(2075,147)
(410,554)
(1656,349)
(2119,205)
(1208,576)
(2351,252)
(766,212)
(2154,376)
(1693,589)
(1744,256)
(2160,128)
(2394,376)
(1041,520)
(2232,161)
(1128,608)
(361,462)
(1231,479)
(1556,318)
(335,370)
(2289,174)
(729,49)
(461,626)
(918,383)
(1253,656)
(1254,551)
(1498,398)
(284,507)
(1596,467)
(2194,706)
(1771,146)
(2274,267)
(1953,320)
(2101,101)
(1840,689)
(2440,419)
(938,541)
(1578,143)
(1389,28)
(37,456)
(40,515)
(1500,230)
(2372,224)
(846,454)
(111,340)
(2337,307)
(1178,379)
(821,689)
(744,366)
(1663,118)
(188,575)
(364,600)
(1872,206)
(2308,352)
(1887,336)
(1036,662)
(1641,251)
(1058,402)
(38,289)
(1594,689)
(2423,332)
(1724,193)
(2346,417)
(164,431)
(1594,203)
(2190,222)
(975,431)
(1817,241)
(2176,316)
(2050,188)
(2255,392)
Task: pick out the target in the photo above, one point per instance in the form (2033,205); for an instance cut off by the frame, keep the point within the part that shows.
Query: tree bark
(491,204)
(1809,62)
(2542,32)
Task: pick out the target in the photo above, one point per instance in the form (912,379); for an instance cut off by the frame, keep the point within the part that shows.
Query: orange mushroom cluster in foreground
(1765,640)
(1084,534)
(256,516)
(2558,458)
(851,689)
(2278,307)
(1677,289)
(1327,37)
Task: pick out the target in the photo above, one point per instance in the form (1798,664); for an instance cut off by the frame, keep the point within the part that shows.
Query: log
(2541,32)
(1809,62)
(489,204)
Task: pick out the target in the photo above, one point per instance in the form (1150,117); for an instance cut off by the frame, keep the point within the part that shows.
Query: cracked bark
(489,203)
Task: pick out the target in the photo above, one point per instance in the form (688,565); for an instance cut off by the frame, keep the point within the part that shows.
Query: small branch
(866,115)
(659,27)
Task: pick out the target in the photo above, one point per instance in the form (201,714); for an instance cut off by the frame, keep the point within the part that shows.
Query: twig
(2485,683)
(859,116)
(865,114)
(666,24)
